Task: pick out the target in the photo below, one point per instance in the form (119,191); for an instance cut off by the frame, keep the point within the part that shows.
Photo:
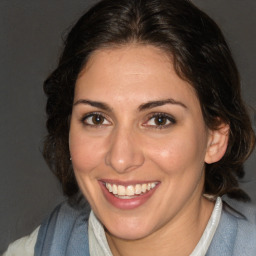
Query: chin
(129,232)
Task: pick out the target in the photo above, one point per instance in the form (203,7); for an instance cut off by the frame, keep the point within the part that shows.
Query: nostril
(124,153)
(124,160)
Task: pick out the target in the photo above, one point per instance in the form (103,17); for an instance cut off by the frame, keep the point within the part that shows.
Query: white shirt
(98,243)
(99,246)
(23,246)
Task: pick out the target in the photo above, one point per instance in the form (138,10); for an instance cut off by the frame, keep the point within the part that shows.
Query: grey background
(30,42)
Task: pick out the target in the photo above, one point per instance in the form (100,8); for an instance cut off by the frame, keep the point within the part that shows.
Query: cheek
(86,153)
(168,156)
(178,153)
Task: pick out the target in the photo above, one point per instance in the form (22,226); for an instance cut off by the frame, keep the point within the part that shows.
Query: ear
(217,143)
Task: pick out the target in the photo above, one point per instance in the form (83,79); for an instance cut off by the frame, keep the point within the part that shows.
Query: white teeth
(109,187)
(114,189)
(131,190)
(144,187)
(137,189)
(121,190)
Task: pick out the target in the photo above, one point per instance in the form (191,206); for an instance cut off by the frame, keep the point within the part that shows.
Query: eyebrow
(142,107)
(153,104)
(96,104)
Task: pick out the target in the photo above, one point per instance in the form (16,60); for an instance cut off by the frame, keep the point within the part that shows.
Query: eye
(95,119)
(160,120)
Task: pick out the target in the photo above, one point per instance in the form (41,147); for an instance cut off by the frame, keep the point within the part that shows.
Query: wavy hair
(200,55)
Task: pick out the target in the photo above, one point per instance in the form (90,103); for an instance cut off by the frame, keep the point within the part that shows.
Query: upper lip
(127,183)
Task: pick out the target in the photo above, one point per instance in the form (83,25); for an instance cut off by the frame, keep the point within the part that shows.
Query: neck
(178,237)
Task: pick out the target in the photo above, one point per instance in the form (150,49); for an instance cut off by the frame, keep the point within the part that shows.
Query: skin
(129,145)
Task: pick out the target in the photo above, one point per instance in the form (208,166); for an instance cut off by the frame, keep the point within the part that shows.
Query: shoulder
(236,232)
(74,211)
(246,212)
(68,219)
(245,216)
(23,246)
(64,229)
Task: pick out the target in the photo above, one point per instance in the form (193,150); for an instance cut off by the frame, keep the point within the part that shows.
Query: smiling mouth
(130,191)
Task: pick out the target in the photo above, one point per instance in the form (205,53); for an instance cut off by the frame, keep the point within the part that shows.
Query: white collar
(206,239)
(98,244)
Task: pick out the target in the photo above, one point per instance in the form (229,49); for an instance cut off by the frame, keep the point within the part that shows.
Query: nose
(125,153)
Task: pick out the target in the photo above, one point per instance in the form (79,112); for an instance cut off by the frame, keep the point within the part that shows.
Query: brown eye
(160,120)
(95,119)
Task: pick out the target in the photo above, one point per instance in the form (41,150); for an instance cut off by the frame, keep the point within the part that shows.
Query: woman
(146,121)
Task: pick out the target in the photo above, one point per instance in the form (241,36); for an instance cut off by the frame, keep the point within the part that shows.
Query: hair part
(200,56)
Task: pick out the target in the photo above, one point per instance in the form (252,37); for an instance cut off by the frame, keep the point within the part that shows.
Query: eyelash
(85,118)
(168,118)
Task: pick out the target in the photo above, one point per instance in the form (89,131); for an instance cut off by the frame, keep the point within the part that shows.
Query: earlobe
(217,144)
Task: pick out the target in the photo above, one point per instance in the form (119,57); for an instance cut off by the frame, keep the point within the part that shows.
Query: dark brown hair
(201,57)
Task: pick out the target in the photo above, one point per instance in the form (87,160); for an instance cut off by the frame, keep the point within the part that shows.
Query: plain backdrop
(31,34)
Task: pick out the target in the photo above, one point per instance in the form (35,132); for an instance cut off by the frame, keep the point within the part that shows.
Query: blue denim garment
(236,233)
(65,231)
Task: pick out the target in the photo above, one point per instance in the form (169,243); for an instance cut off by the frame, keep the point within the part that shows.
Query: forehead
(129,72)
(132,60)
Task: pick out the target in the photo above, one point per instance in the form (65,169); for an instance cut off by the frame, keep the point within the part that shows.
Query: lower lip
(127,204)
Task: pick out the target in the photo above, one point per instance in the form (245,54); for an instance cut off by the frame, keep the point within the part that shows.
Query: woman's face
(138,141)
